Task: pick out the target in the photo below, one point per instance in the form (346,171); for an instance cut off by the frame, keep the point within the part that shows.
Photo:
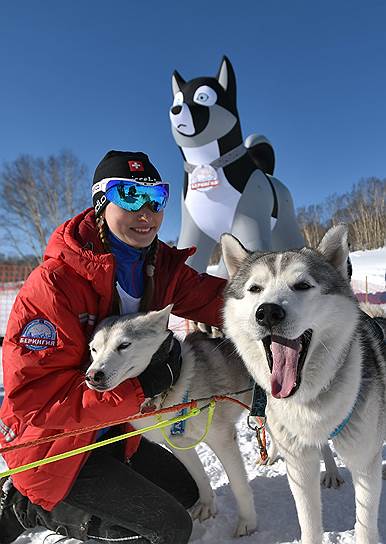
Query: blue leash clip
(179,427)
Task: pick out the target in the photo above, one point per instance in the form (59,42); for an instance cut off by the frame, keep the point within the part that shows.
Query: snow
(277,519)
(370,264)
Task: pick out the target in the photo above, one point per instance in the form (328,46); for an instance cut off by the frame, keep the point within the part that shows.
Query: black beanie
(122,164)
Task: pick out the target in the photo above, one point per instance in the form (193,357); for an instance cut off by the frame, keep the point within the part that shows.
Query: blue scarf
(129,262)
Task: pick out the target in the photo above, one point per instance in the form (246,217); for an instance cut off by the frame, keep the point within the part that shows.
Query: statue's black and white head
(204,109)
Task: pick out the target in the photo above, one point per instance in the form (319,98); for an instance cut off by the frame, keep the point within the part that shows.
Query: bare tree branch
(36,195)
(363,209)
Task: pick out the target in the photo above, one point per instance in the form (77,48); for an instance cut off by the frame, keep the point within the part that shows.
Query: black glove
(164,368)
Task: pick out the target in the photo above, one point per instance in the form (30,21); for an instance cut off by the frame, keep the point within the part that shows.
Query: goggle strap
(101,185)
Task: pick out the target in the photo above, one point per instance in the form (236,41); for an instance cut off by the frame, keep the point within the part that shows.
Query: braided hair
(149,267)
(149,264)
(103,232)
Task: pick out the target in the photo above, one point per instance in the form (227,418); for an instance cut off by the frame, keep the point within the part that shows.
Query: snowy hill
(277,519)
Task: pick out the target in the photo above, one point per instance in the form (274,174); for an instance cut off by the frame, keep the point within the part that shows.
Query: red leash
(82,430)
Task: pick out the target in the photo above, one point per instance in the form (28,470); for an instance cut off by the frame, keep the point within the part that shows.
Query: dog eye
(302,286)
(205,96)
(202,97)
(255,288)
(123,346)
(93,350)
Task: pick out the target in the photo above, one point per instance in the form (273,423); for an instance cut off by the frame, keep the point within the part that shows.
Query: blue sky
(94,75)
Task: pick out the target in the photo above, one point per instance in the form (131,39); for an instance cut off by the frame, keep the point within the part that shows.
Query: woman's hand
(160,375)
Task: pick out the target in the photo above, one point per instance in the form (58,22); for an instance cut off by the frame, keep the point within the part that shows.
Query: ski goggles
(131,195)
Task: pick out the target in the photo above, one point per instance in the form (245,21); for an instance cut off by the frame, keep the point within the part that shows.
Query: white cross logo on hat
(135,166)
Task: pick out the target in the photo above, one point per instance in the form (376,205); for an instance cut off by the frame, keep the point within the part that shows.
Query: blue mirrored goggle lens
(132,196)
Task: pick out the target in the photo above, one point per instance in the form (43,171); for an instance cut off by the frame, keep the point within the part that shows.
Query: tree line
(363,209)
(38,194)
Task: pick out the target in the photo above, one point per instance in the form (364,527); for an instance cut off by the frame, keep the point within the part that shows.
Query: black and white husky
(228,184)
(297,325)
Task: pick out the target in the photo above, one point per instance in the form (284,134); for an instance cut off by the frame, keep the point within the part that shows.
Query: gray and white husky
(296,323)
(122,348)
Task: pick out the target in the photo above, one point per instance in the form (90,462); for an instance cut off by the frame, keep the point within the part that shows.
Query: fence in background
(12,277)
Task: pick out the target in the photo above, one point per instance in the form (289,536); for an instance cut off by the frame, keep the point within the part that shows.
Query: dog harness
(375,330)
(342,425)
(259,403)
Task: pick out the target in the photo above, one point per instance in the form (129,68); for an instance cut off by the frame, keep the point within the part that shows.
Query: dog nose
(176,110)
(95,377)
(269,314)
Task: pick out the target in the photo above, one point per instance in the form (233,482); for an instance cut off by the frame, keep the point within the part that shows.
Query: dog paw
(331,479)
(245,526)
(203,510)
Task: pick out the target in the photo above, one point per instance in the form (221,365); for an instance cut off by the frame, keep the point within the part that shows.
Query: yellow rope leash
(193,412)
(212,406)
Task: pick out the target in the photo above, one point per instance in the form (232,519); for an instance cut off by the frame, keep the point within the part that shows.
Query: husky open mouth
(285,360)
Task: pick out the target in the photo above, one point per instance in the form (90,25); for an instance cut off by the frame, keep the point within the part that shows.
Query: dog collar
(222,161)
(259,401)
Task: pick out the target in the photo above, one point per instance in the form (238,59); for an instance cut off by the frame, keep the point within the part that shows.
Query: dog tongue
(285,355)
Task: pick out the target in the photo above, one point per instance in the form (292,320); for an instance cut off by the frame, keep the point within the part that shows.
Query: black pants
(147,496)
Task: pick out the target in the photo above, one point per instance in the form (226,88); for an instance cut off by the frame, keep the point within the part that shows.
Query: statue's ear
(226,77)
(177,82)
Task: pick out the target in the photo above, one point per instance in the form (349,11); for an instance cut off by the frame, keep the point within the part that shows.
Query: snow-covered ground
(370,265)
(277,519)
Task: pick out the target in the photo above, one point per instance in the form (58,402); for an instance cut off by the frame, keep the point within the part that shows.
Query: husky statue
(228,184)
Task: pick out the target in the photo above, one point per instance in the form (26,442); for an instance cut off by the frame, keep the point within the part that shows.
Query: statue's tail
(261,152)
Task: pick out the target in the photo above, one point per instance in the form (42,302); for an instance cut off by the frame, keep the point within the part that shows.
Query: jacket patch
(38,334)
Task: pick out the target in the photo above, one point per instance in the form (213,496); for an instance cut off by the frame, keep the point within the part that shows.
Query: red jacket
(44,382)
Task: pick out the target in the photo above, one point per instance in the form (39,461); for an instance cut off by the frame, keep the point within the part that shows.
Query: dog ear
(160,318)
(226,77)
(334,247)
(177,82)
(233,252)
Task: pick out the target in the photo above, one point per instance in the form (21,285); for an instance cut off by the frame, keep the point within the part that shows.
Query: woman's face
(137,229)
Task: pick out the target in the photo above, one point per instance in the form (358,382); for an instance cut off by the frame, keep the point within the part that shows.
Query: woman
(107,260)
